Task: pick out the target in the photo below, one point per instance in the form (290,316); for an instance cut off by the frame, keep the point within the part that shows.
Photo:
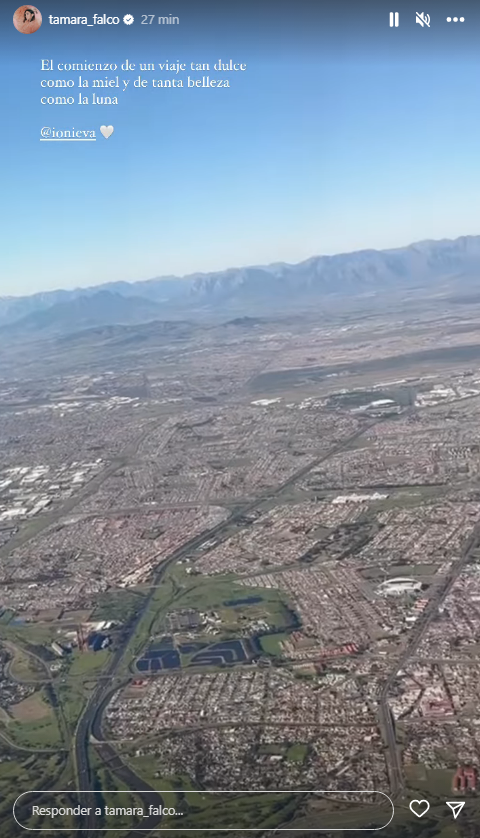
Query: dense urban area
(245,555)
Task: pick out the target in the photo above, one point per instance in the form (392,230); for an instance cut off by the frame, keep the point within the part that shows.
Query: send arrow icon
(456,807)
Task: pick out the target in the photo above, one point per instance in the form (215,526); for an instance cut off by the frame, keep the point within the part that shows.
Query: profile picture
(27,19)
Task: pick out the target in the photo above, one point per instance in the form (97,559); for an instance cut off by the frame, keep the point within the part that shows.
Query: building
(465,779)
(399,585)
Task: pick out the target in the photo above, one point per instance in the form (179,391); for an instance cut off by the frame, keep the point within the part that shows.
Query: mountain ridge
(356,273)
(102,308)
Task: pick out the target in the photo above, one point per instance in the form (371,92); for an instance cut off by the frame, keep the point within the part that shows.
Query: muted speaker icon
(422,18)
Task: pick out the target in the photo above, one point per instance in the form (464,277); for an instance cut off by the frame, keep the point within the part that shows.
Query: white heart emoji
(419,807)
(106,130)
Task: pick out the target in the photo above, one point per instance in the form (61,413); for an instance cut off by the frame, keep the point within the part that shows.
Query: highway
(91,716)
(90,721)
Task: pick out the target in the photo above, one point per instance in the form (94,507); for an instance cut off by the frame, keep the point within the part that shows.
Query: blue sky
(343,134)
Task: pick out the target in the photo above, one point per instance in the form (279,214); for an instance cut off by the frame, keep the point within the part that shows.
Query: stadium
(399,585)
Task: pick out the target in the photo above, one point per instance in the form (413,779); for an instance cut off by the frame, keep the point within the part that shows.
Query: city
(240,572)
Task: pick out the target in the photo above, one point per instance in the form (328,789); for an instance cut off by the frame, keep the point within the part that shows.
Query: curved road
(91,716)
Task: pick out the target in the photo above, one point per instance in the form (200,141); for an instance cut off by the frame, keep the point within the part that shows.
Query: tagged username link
(48,133)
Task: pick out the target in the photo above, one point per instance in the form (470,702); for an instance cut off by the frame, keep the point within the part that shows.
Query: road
(90,720)
(417,633)
(91,716)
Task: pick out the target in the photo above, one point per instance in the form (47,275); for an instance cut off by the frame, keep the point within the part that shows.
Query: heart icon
(419,807)
(106,130)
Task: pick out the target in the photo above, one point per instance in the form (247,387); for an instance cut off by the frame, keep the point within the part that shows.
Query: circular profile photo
(27,19)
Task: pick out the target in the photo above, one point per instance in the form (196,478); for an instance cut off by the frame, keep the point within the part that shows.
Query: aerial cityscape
(241,552)
(240,420)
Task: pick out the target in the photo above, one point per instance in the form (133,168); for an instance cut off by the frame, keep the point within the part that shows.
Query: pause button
(394,19)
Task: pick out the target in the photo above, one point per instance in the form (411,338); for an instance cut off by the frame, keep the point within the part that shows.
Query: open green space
(230,601)
(120,605)
(238,608)
(271,643)
(39,733)
(23,666)
(35,635)
(33,722)
(297,752)
(434,783)
(87,662)
(147,767)
(72,698)
(271,609)
(20,771)
(405,497)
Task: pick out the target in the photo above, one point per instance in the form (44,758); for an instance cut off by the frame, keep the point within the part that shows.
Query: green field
(19,772)
(25,667)
(120,605)
(213,594)
(147,768)
(34,723)
(297,752)
(88,663)
(271,643)
(435,783)
(72,698)
(36,734)
(34,635)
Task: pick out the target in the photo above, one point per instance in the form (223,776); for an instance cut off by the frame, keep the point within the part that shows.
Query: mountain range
(439,266)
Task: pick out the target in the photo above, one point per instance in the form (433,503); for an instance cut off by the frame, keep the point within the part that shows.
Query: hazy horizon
(200,273)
